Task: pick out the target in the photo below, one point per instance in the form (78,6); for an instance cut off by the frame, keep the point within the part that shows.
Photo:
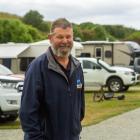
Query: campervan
(122,53)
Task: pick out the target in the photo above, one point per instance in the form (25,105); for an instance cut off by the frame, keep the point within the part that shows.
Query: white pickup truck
(115,78)
(10,94)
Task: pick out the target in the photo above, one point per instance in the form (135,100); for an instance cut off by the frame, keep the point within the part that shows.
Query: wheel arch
(114,76)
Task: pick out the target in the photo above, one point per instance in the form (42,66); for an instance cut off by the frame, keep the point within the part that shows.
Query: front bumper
(9,100)
(137,78)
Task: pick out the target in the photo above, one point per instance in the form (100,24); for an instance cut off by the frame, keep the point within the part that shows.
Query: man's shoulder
(75,60)
(37,62)
(40,59)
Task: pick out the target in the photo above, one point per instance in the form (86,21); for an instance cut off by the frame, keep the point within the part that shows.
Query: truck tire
(8,118)
(114,84)
(12,118)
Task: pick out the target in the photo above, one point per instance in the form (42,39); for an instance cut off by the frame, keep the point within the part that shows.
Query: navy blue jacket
(52,106)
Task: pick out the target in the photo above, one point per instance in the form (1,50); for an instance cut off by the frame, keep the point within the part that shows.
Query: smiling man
(53,104)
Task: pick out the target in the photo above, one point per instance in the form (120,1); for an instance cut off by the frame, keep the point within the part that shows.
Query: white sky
(124,12)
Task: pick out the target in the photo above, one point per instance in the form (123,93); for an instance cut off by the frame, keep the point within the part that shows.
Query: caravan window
(7,62)
(24,62)
(108,54)
(85,55)
(98,52)
(139,62)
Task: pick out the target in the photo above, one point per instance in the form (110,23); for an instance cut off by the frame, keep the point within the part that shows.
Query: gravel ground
(122,127)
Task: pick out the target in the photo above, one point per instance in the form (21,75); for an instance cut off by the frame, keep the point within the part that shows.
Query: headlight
(8,85)
(19,86)
(13,102)
(129,73)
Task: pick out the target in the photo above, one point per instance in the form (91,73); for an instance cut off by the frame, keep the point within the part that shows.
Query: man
(52,103)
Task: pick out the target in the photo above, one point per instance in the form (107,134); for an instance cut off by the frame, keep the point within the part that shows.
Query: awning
(77,45)
(12,51)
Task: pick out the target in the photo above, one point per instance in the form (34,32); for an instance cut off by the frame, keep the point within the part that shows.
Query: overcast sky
(124,12)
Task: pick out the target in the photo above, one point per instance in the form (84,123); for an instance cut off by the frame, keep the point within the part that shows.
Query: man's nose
(65,40)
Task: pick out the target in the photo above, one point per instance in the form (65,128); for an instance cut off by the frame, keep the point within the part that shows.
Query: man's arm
(82,99)
(30,105)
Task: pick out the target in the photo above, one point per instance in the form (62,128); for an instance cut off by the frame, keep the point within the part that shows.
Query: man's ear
(50,37)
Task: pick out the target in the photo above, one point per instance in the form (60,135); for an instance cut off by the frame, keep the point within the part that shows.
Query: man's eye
(60,37)
(68,37)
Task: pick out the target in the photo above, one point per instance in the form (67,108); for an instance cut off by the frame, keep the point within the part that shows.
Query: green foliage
(77,32)
(110,37)
(134,37)
(87,25)
(118,31)
(44,27)
(100,33)
(89,31)
(88,34)
(4,15)
(84,31)
(33,18)
(15,31)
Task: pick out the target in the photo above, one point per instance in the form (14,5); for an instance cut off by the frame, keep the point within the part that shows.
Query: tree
(15,31)
(119,31)
(33,18)
(87,25)
(88,34)
(100,33)
(44,27)
(134,37)
(77,32)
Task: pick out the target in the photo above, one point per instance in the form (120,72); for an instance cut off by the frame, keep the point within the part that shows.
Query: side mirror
(98,67)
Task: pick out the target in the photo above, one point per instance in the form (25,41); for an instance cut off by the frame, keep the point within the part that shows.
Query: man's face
(62,41)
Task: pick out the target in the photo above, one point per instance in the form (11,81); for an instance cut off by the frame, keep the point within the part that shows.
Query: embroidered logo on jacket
(79,84)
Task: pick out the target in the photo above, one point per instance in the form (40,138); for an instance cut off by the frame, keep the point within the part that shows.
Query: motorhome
(122,53)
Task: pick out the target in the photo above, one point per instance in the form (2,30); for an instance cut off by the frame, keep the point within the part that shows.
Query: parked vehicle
(114,77)
(121,53)
(10,94)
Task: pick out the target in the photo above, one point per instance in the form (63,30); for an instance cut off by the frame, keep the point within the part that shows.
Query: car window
(104,64)
(89,65)
(4,70)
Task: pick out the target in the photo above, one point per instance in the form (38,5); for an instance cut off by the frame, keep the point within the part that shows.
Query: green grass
(99,111)
(10,125)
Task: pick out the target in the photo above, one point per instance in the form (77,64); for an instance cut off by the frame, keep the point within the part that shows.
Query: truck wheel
(8,118)
(115,85)
(12,118)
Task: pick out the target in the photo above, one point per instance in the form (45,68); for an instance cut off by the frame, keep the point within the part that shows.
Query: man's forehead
(68,30)
(62,29)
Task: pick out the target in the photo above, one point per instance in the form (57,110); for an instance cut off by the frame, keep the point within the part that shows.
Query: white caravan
(122,53)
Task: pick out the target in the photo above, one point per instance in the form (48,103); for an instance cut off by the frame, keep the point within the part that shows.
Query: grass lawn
(99,111)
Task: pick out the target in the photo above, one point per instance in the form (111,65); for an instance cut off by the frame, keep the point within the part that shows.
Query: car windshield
(104,64)
(4,70)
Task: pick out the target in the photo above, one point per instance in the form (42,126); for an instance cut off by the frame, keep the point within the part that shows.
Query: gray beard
(59,53)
